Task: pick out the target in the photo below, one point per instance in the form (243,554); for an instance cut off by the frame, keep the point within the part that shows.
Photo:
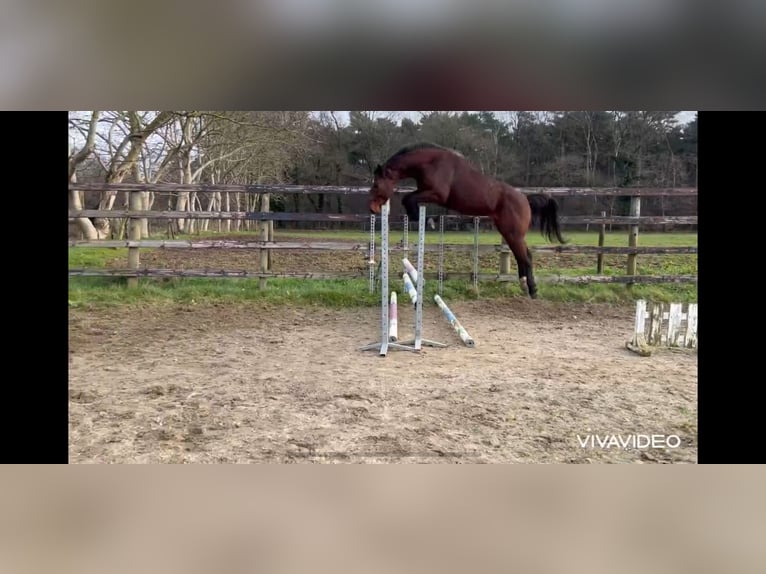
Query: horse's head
(383,185)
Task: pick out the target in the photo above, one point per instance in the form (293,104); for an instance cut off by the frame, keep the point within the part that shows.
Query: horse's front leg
(412,201)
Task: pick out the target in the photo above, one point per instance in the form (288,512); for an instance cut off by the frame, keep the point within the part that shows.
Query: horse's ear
(378,171)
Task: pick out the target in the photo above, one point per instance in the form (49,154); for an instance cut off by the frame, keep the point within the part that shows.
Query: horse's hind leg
(524,263)
(523,256)
(530,275)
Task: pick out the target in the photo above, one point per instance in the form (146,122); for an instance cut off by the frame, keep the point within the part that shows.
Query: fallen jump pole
(393,322)
(411,271)
(461,332)
(410,288)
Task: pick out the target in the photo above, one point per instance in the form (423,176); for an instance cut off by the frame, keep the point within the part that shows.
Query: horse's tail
(545,209)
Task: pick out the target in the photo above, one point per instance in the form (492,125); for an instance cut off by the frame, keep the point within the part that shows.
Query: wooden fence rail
(133,215)
(331,217)
(363,274)
(364,247)
(362,190)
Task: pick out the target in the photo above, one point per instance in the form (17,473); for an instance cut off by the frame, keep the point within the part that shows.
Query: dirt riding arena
(242,383)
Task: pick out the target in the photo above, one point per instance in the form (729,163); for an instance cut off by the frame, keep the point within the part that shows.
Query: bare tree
(75,159)
(121,159)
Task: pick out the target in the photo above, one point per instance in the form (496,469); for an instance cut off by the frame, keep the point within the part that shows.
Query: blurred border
(435,54)
(282,519)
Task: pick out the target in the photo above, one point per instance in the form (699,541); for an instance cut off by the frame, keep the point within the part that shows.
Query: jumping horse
(445,177)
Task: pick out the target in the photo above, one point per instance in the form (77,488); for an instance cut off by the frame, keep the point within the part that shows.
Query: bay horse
(445,177)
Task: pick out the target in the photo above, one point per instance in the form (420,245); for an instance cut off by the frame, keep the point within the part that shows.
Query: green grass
(614,239)
(486,237)
(94,257)
(101,291)
(97,291)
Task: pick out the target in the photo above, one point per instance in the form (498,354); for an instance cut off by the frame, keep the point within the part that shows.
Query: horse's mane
(421,145)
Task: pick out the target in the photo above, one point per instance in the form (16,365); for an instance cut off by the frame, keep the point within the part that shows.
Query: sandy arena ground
(243,383)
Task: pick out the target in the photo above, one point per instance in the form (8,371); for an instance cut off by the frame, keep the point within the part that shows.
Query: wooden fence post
(476,253)
(505,265)
(600,257)
(134,234)
(635,211)
(271,240)
(265,256)
(505,261)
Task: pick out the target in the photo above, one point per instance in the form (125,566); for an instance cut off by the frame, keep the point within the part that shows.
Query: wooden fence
(134,243)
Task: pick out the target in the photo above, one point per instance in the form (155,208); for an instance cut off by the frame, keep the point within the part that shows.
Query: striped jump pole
(461,332)
(410,288)
(411,271)
(393,322)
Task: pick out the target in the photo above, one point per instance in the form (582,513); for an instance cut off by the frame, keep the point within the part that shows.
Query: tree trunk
(193,224)
(227,223)
(182,204)
(84,224)
(210,207)
(137,138)
(238,201)
(148,204)
(184,196)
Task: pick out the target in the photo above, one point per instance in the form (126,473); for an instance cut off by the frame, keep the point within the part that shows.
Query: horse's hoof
(533,295)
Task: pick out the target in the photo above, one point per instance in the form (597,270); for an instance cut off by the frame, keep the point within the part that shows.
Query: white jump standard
(385,343)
